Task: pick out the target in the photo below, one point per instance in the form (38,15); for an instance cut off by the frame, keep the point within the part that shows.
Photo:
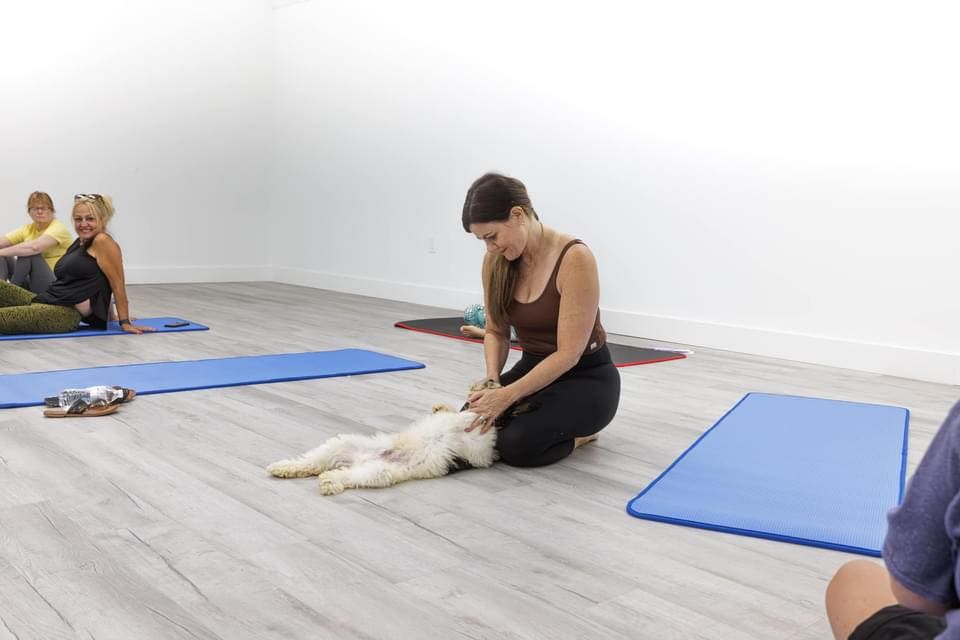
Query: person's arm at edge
(927,583)
(914,601)
(110,260)
(29,248)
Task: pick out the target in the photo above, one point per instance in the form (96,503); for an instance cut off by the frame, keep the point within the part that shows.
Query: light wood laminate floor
(160,522)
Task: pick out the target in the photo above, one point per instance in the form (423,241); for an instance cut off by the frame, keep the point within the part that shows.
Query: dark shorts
(899,623)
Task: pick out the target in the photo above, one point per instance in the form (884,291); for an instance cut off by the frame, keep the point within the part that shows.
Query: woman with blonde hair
(87,276)
(28,254)
(544,283)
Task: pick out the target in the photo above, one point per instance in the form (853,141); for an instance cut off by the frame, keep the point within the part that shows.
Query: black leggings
(579,403)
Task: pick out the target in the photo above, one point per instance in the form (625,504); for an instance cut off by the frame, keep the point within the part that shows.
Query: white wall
(164,105)
(752,176)
(770,178)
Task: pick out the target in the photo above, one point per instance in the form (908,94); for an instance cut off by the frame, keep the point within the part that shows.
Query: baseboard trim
(906,362)
(387,289)
(179,275)
(919,364)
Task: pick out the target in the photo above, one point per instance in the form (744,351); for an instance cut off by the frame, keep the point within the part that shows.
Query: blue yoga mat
(811,471)
(113,329)
(29,389)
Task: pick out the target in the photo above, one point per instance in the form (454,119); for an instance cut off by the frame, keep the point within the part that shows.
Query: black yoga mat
(623,355)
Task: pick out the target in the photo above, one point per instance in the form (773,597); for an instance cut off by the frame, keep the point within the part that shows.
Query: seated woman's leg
(857,591)
(546,425)
(7,264)
(38,318)
(14,296)
(533,441)
(33,273)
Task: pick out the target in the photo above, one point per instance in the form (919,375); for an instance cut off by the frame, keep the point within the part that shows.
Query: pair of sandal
(82,409)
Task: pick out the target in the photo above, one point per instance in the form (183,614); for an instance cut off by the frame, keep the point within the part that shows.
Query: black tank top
(536,321)
(79,278)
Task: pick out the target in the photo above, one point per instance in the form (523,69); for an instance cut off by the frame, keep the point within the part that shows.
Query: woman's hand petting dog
(489,404)
(481,384)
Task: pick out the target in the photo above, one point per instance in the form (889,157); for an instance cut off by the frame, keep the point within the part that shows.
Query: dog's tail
(295,468)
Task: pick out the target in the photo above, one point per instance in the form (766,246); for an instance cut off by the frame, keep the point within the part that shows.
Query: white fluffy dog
(425,449)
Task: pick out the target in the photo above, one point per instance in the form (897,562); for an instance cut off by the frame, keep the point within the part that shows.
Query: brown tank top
(536,322)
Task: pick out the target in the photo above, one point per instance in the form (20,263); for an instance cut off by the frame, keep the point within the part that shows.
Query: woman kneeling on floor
(88,274)
(544,283)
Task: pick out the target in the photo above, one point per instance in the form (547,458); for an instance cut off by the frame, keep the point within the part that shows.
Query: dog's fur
(426,449)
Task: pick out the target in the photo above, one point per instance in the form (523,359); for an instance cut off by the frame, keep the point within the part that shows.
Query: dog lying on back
(428,448)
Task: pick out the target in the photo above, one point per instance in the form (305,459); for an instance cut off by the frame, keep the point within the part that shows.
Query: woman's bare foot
(579,442)
(471,331)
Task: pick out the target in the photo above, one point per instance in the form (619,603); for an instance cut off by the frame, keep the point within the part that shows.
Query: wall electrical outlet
(431,245)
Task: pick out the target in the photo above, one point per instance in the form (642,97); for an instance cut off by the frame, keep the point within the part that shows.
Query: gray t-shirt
(924,532)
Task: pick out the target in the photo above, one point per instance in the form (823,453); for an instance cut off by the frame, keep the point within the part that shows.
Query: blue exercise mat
(817,472)
(113,329)
(28,389)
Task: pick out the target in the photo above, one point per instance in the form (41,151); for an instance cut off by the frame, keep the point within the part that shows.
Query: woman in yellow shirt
(28,254)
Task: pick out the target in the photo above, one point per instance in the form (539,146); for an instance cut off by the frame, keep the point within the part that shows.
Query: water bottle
(90,395)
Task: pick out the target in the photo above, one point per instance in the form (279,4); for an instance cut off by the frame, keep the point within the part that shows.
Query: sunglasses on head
(80,197)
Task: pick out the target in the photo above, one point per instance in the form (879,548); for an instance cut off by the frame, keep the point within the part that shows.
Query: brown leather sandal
(81,409)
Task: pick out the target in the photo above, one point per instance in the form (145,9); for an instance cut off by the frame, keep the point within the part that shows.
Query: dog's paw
(330,487)
(481,385)
(441,406)
(284,469)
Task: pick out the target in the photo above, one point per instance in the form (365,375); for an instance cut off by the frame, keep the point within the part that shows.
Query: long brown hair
(490,199)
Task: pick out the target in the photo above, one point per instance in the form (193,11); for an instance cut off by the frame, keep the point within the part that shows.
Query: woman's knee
(846,575)
(38,318)
(14,296)
(518,448)
(857,590)
(25,268)
(511,445)
(856,573)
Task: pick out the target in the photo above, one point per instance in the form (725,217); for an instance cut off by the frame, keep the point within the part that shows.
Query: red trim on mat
(401,325)
(678,356)
(441,333)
